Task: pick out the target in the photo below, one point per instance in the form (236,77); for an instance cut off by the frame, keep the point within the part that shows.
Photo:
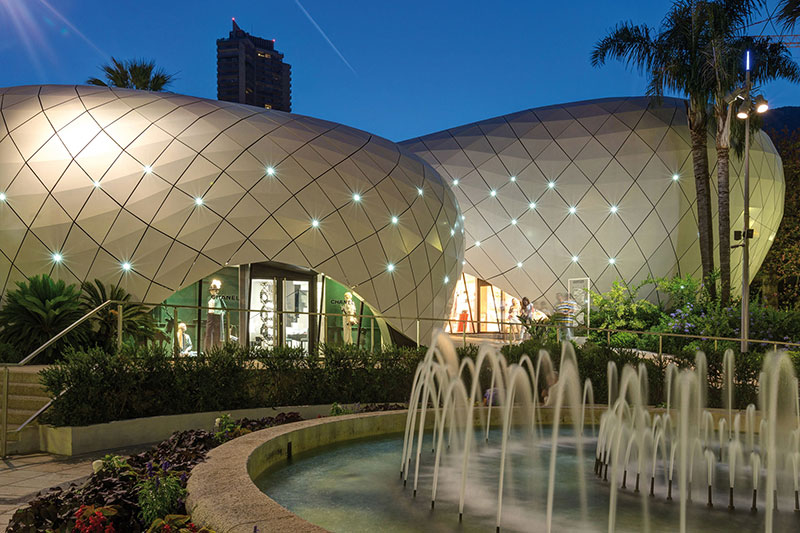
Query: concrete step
(27,403)
(18,416)
(27,389)
(25,374)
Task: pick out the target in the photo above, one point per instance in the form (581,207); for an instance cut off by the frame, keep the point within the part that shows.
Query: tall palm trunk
(699,136)
(723,195)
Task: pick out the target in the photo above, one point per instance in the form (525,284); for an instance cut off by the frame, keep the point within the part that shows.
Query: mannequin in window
(349,319)
(183,340)
(215,320)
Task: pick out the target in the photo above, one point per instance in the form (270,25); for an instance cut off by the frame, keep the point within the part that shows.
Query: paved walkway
(23,476)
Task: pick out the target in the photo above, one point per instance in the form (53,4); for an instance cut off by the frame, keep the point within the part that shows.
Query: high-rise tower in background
(250,71)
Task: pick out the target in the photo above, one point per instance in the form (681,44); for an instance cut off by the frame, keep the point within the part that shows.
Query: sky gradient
(397,69)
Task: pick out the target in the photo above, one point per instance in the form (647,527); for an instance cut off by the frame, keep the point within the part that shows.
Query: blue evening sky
(418,66)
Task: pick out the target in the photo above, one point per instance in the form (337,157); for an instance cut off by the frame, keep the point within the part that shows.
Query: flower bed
(144,492)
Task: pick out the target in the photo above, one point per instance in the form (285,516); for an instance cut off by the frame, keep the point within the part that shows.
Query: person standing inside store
(215,319)
(566,311)
(526,317)
(513,317)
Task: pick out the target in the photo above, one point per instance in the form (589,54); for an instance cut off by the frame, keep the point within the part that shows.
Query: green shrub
(36,311)
(138,325)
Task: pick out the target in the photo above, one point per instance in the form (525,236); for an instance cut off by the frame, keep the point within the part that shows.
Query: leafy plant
(91,519)
(138,324)
(160,495)
(337,410)
(36,311)
(176,523)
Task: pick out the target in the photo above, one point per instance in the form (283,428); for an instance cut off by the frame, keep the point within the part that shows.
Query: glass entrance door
(262,323)
(295,313)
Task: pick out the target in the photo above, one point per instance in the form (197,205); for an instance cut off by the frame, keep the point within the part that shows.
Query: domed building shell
(154,191)
(601,189)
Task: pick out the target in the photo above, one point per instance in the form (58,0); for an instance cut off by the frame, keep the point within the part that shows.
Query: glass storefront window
(479,307)
(296,326)
(262,323)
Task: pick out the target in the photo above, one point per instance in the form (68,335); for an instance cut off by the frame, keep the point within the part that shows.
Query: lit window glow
(270,171)
(57,257)
(198,201)
(126,266)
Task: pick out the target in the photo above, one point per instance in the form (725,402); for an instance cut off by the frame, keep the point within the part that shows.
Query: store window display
(216,332)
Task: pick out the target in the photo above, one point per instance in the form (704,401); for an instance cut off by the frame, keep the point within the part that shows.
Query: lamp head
(744,110)
(761,104)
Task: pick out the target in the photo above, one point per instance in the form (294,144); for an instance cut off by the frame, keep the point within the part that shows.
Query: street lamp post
(745,327)
(745,109)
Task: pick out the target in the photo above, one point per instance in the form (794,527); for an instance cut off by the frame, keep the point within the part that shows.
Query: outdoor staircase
(25,396)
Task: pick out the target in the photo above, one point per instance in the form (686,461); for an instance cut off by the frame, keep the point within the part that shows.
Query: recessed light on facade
(270,171)
(513,178)
(463,263)
(463,217)
(572,210)
(147,169)
(477,243)
(395,220)
(57,257)
(96,184)
(493,193)
(2,197)
(315,223)
(452,232)
(356,197)
(513,221)
(519,265)
(455,182)
(420,191)
(611,260)
(126,266)
(574,258)
(551,184)
(532,205)
(675,177)
(614,209)
(198,201)
(446,280)
(390,267)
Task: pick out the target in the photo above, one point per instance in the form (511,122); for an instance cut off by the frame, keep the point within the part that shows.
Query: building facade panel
(153,207)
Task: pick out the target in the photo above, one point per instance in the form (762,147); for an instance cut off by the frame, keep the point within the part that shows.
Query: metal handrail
(37,351)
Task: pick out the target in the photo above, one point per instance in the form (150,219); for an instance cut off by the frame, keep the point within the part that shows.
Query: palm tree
(724,61)
(137,324)
(788,12)
(133,74)
(672,58)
